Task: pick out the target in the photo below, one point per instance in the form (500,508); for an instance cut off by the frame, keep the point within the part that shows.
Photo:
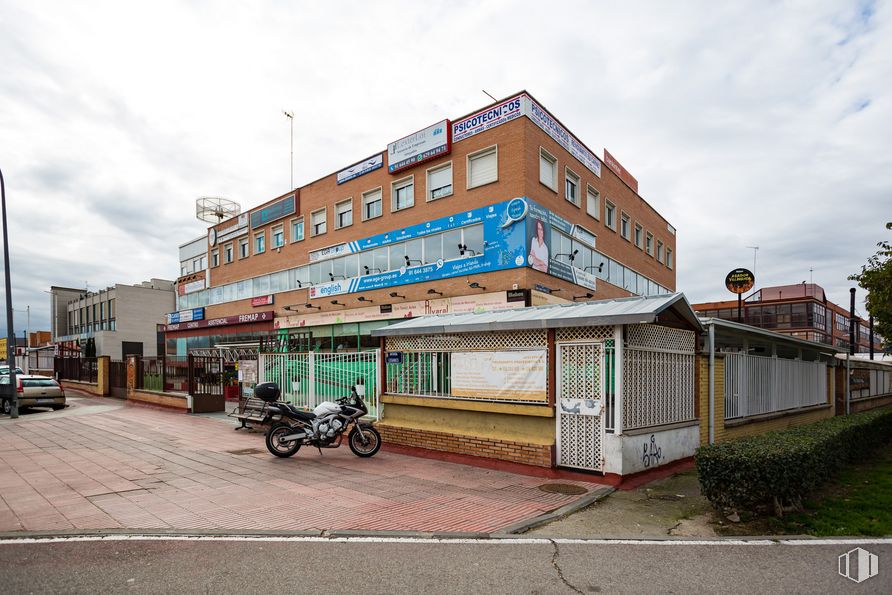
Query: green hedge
(780,468)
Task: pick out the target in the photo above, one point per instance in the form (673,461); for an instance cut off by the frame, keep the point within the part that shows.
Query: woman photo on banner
(538,258)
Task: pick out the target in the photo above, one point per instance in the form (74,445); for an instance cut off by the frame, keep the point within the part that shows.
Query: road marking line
(443,541)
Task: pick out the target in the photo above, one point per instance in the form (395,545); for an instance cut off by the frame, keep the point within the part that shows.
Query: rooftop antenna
(214,209)
(490,96)
(811,280)
(755,249)
(290,116)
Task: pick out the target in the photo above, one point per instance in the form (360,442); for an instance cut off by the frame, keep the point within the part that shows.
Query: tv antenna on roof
(755,250)
(214,209)
(488,95)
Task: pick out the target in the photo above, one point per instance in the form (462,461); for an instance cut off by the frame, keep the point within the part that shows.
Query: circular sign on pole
(740,281)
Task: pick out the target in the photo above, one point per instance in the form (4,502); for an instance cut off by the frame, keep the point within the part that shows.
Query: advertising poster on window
(502,375)
(502,248)
(542,247)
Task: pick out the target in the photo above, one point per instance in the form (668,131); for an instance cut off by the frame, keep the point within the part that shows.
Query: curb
(523,526)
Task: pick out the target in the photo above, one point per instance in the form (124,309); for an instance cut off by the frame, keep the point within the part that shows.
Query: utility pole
(10,333)
(290,116)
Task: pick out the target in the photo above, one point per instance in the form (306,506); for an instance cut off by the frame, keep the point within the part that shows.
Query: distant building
(123,319)
(800,310)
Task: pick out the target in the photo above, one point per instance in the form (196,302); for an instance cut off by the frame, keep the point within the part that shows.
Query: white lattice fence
(755,385)
(658,387)
(493,341)
(580,437)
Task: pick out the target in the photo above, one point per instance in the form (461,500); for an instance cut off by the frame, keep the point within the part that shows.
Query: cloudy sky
(755,124)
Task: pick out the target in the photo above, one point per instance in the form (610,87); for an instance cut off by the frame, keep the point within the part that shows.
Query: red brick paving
(139,468)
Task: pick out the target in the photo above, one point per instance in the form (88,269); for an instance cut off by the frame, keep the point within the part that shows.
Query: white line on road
(441,541)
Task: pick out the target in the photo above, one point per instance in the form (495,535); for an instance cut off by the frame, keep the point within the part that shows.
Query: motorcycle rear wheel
(372,445)
(278,448)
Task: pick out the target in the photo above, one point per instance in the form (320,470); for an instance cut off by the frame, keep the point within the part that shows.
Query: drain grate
(563,488)
(245,451)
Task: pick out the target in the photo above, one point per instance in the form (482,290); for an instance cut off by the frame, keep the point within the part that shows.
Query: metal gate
(580,402)
(307,379)
(205,376)
(117,379)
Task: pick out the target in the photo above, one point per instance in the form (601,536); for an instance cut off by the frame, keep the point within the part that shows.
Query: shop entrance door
(579,405)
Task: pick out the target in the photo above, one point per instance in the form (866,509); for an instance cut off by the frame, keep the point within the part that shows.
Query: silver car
(34,391)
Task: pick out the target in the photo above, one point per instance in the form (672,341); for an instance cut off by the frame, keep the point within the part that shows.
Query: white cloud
(753,124)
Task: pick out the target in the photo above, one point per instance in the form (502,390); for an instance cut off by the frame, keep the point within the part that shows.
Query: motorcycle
(324,427)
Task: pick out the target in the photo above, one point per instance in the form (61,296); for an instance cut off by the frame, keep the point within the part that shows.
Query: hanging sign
(740,281)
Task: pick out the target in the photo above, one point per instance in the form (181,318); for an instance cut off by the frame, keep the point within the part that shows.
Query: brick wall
(779,422)
(505,450)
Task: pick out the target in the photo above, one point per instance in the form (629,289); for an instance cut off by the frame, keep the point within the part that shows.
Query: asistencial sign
(424,145)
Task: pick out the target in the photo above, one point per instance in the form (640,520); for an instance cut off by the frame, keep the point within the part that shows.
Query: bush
(780,468)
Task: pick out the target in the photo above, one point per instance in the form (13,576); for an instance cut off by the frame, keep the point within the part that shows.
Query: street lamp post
(10,334)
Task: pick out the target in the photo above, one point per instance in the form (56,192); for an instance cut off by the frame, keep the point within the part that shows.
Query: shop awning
(633,310)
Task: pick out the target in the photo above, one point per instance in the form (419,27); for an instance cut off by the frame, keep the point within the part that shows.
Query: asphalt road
(377,565)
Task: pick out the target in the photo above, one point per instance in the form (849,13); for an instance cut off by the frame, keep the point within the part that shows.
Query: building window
(317,220)
(439,182)
(260,243)
(215,258)
(483,167)
(227,253)
(344,214)
(639,237)
(571,187)
(669,262)
(547,169)
(243,248)
(625,224)
(297,229)
(659,251)
(593,203)
(277,236)
(610,215)
(371,204)
(402,194)
(649,244)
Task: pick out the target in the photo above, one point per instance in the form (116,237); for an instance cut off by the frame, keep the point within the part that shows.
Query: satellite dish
(214,209)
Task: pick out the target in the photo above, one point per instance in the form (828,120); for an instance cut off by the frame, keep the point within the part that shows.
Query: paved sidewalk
(97,465)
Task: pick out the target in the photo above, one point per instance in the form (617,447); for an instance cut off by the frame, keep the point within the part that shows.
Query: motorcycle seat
(294,411)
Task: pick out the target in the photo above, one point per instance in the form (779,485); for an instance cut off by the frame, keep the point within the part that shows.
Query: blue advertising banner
(185,316)
(503,237)
(277,210)
(541,252)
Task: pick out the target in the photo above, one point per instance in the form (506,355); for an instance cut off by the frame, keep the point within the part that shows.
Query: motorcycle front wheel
(365,446)
(275,445)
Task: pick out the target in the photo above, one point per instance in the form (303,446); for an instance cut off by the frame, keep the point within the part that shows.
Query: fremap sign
(740,281)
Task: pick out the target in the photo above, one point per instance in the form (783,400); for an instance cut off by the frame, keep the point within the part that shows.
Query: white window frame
(609,209)
(262,237)
(638,236)
(228,252)
(544,155)
(660,248)
(338,213)
(494,149)
(649,243)
(427,185)
(215,258)
(669,254)
(303,233)
(276,229)
(571,176)
(244,248)
(365,202)
(313,232)
(589,191)
(627,219)
(398,185)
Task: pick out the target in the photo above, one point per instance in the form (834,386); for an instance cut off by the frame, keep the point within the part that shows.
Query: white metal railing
(307,379)
(658,387)
(755,384)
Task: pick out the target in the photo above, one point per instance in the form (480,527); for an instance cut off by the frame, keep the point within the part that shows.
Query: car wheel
(7,407)
(58,407)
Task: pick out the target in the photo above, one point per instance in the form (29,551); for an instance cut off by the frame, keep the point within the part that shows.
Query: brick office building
(800,310)
(500,209)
